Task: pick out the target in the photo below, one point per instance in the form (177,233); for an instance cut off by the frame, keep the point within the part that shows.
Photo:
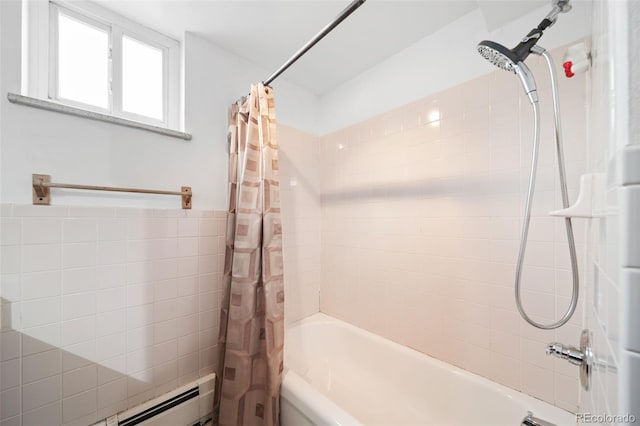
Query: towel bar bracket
(41,193)
(186,197)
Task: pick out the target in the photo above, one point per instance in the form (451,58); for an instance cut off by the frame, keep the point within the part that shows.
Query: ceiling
(269,32)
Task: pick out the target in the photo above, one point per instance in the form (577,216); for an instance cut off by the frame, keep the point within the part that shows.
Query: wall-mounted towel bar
(42,194)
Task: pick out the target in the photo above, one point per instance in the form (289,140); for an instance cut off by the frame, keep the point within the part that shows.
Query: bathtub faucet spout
(530,420)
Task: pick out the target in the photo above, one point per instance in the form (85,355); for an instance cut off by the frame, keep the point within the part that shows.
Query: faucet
(582,357)
(530,420)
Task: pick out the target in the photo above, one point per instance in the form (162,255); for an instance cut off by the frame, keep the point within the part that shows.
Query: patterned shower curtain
(252,314)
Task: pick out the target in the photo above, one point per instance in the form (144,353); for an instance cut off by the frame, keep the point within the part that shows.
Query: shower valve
(582,357)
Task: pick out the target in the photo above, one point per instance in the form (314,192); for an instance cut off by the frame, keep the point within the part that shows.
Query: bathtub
(338,374)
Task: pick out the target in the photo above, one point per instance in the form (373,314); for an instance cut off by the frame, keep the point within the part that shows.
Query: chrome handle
(571,354)
(582,357)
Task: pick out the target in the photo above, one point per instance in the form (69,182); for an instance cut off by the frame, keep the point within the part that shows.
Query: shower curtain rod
(326,30)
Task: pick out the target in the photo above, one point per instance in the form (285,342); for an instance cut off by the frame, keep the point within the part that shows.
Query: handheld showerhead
(507,60)
(513,59)
(498,55)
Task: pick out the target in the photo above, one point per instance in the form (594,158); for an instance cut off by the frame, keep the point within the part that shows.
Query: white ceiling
(269,32)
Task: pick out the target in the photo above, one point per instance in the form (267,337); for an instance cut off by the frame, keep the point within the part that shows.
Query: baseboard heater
(160,408)
(189,405)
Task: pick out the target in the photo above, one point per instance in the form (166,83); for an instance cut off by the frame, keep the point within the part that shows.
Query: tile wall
(602,277)
(299,155)
(629,232)
(421,214)
(103,308)
(613,274)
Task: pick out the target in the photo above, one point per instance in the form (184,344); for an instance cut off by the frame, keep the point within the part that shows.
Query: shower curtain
(252,314)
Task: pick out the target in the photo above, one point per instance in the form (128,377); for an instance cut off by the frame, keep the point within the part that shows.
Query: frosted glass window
(142,79)
(83,62)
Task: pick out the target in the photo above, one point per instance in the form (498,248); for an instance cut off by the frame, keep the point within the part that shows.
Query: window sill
(79,112)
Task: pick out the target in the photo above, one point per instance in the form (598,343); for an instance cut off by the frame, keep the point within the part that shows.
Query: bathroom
(403,161)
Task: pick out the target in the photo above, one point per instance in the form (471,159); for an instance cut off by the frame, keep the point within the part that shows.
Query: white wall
(214,81)
(77,150)
(634,61)
(435,63)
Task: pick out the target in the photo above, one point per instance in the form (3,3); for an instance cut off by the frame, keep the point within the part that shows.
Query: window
(142,72)
(100,61)
(80,61)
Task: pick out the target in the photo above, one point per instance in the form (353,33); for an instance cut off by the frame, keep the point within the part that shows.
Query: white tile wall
(611,290)
(104,308)
(299,155)
(421,214)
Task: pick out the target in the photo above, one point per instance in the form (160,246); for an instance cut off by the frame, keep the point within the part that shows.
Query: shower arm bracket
(589,202)
(559,6)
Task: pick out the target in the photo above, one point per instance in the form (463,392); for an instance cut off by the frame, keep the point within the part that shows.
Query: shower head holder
(528,43)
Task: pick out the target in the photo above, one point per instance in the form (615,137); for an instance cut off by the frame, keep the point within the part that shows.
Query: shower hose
(565,202)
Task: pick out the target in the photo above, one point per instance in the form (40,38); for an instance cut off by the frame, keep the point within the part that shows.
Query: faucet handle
(554,348)
(571,354)
(582,357)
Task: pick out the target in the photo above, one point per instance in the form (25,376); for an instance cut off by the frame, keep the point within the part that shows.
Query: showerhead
(513,59)
(498,55)
(508,60)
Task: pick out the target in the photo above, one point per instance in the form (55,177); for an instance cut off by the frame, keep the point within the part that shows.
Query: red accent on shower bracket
(567,69)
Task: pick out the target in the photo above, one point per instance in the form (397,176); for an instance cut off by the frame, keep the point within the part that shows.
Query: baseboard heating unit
(189,405)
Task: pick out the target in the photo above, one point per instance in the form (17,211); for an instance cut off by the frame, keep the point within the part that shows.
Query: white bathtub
(338,374)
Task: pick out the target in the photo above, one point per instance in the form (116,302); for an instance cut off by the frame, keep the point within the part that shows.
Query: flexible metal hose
(565,203)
